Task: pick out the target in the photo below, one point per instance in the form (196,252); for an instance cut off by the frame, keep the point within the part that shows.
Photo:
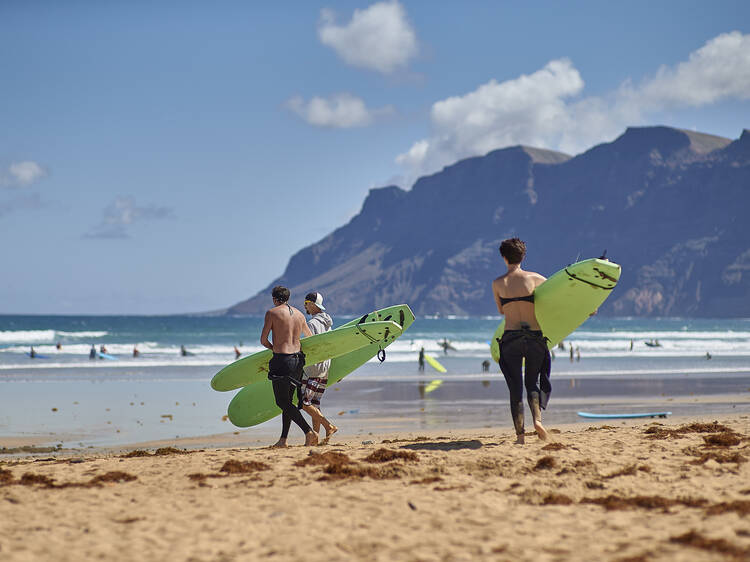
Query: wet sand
(81,414)
(675,489)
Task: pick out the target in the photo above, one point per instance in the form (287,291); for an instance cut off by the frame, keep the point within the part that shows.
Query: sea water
(163,394)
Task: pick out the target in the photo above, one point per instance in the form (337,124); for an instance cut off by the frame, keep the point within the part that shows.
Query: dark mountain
(669,205)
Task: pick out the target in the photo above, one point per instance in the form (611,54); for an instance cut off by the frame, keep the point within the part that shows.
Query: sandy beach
(675,489)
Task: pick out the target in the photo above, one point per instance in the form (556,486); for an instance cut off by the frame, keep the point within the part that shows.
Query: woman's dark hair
(513,250)
(280,293)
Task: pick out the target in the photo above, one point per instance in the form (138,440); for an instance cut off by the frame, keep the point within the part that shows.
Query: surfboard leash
(381,351)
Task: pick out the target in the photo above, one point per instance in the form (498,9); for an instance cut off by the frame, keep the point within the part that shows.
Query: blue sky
(166,157)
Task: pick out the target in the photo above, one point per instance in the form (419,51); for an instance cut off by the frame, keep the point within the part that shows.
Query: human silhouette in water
(421,359)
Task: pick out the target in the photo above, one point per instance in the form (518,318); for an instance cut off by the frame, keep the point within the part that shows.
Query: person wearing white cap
(316,376)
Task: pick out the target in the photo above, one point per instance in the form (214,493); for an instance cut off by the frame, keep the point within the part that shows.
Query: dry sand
(669,490)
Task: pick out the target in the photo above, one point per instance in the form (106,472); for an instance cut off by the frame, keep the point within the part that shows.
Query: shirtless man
(285,368)
(522,339)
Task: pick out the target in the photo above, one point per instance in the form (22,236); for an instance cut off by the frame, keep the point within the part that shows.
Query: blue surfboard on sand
(623,416)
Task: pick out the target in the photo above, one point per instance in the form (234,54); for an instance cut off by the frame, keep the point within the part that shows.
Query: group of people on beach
(524,357)
(287,370)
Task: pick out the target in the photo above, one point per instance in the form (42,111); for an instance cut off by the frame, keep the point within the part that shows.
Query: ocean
(63,396)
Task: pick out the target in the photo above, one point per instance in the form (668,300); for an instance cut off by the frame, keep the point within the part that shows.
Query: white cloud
(121,214)
(530,109)
(22,174)
(377,38)
(545,109)
(340,111)
(718,70)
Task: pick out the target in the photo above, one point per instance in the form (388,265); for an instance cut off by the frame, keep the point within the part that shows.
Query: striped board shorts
(312,390)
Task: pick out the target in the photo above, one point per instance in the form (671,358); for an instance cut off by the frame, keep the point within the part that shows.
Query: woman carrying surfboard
(522,338)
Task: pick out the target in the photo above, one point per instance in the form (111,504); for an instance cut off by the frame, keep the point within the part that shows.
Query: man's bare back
(287,324)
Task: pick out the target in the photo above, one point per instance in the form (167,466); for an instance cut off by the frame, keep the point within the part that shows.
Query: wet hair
(513,250)
(280,293)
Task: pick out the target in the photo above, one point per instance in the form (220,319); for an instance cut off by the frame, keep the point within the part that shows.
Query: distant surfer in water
(446,345)
(316,376)
(286,323)
(522,338)
(421,359)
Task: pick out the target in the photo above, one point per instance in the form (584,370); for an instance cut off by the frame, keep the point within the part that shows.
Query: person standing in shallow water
(522,339)
(286,324)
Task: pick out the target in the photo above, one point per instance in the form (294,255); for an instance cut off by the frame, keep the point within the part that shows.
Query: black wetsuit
(515,345)
(285,372)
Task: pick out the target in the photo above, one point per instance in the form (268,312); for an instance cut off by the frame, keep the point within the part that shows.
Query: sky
(170,157)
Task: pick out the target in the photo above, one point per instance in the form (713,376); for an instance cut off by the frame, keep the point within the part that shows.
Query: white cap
(316,299)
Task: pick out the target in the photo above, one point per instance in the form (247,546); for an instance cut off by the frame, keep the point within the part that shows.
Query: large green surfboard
(254,368)
(255,404)
(565,300)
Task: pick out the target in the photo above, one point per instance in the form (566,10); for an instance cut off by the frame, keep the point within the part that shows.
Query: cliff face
(669,205)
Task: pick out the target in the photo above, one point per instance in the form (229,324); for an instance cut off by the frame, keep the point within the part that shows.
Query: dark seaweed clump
(386,455)
(696,540)
(613,502)
(545,463)
(330,457)
(161,452)
(243,467)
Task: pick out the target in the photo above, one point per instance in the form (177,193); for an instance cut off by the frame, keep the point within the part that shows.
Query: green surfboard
(255,404)
(317,348)
(565,300)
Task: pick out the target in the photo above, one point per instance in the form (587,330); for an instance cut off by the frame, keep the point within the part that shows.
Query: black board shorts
(287,366)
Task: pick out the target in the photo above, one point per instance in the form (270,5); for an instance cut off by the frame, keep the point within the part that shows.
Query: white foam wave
(81,334)
(42,336)
(660,335)
(31,336)
(39,364)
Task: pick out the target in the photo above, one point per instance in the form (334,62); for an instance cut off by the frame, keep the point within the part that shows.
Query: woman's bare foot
(520,439)
(540,431)
(311,438)
(280,444)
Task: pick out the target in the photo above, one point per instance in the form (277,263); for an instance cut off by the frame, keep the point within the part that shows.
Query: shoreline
(382,426)
(625,490)
(83,416)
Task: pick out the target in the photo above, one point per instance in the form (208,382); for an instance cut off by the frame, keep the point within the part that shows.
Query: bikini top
(527,298)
